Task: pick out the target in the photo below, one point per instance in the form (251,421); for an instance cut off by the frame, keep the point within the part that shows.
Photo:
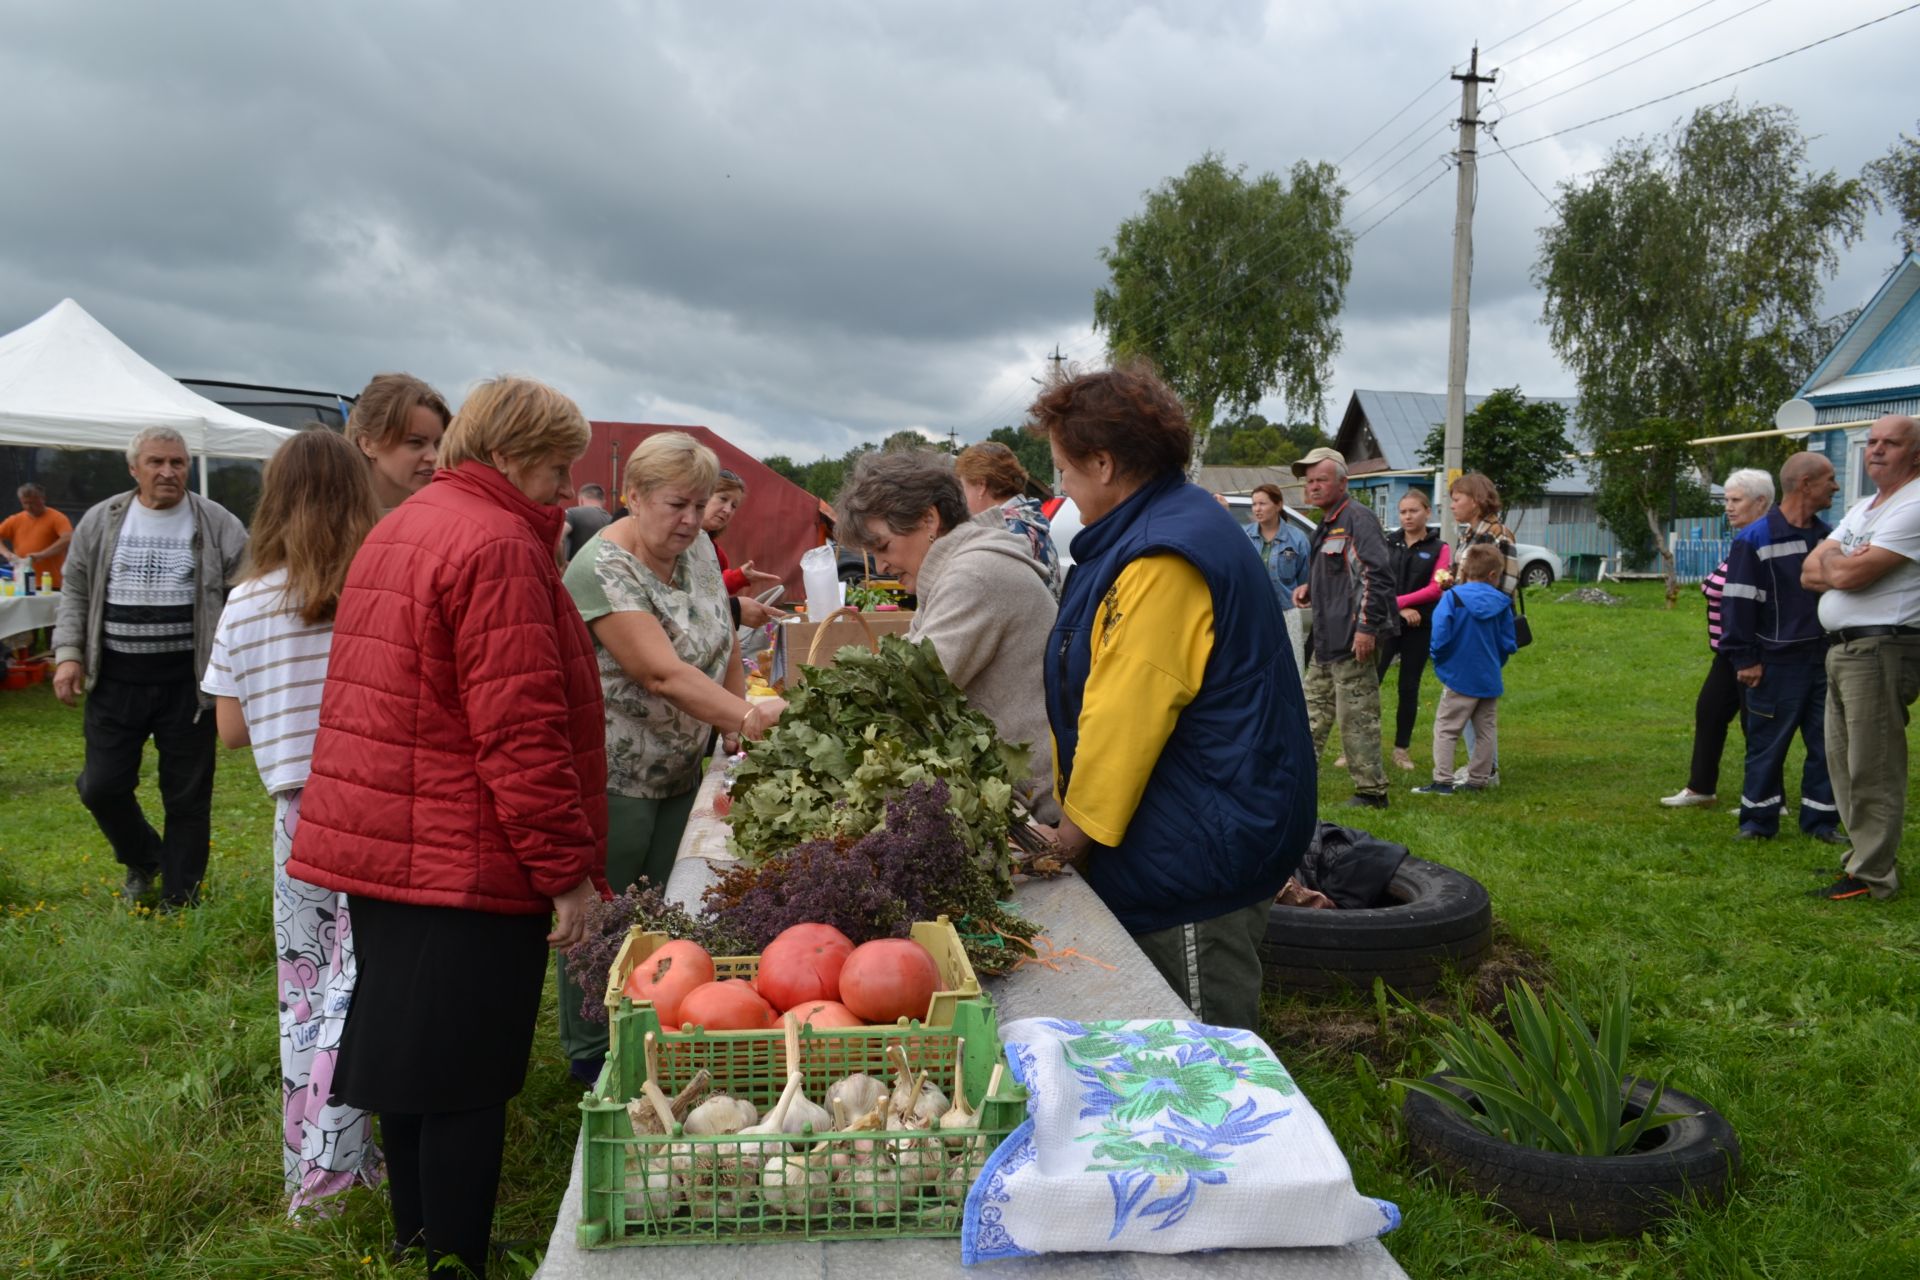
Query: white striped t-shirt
(276,665)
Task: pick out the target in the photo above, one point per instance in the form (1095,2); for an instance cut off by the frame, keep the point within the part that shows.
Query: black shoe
(139,885)
(1435,789)
(1751,833)
(1842,889)
(1829,835)
(1361,800)
(586,1071)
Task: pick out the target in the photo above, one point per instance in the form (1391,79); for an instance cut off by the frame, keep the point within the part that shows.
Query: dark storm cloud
(807,225)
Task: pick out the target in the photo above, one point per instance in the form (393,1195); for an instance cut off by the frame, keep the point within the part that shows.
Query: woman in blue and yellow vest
(1181,756)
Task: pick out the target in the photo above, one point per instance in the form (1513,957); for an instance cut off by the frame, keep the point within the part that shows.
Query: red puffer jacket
(462,753)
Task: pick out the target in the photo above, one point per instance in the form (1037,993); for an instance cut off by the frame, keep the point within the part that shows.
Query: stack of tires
(1436,919)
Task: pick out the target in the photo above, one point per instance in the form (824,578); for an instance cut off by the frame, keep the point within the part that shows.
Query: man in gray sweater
(146,579)
(1350,589)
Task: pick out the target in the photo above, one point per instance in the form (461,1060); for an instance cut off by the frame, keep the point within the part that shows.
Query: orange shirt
(29,534)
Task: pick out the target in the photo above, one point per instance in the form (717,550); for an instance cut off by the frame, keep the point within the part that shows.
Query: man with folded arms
(1869,574)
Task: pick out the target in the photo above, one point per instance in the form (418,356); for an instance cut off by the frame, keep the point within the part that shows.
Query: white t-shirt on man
(1895,599)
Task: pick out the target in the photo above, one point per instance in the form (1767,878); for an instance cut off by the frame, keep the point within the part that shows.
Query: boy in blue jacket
(1471,638)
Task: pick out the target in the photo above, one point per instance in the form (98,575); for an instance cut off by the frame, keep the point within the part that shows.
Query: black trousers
(1714,710)
(120,717)
(443,1176)
(1411,645)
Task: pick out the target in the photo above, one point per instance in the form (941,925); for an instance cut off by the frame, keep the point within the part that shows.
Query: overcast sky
(811,224)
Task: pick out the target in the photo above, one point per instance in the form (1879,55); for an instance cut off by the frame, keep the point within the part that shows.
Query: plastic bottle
(46,583)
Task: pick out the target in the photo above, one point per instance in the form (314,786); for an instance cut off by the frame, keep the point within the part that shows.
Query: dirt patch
(1337,1027)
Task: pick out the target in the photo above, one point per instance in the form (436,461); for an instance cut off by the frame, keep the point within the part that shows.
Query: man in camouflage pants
(1350,589)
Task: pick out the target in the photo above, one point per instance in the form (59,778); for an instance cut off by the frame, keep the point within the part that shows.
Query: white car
(1539,566)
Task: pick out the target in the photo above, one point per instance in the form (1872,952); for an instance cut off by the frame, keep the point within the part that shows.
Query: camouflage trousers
(1348,691)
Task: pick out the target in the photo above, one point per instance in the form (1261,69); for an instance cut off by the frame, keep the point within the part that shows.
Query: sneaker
(1752,833)
(1435,789)
(1686,798)
(1843,888)
(586,1071)
(1360,800)
(1401,758)
(1460,778)
(1829,835)
(138,886)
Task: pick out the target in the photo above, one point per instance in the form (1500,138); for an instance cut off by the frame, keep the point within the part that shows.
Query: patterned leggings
(324,1148)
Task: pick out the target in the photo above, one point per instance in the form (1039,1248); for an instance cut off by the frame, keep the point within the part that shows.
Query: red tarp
(777,522)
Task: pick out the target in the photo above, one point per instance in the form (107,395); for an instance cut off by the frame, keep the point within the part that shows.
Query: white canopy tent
(67,383)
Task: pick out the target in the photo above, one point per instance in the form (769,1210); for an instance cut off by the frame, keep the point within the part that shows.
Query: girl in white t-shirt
(268,665)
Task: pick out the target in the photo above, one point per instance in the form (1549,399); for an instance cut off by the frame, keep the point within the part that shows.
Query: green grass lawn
(139,1092)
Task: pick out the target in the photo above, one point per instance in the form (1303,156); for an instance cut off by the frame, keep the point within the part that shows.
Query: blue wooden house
(1873,370)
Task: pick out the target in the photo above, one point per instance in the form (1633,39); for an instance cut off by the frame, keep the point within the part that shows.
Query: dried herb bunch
(608,922)
(914,867)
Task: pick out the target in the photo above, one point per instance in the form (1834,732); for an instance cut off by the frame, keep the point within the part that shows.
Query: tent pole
(203,474)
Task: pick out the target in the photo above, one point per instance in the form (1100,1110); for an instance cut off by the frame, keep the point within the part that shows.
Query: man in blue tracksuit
(1772,638)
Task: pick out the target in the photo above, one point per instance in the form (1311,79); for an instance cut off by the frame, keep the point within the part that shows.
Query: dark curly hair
(1125,411)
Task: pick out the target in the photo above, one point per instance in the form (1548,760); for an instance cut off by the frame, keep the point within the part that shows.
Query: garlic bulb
(959,1115)
(652,1190)
(797,1183)
(916,1100)
(856,1093)
(721,1114)
(867,1178)
(804,1113)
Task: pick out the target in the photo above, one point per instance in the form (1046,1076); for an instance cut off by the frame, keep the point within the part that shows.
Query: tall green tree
(1683,280)
(1232,287)
(1250,441)
(1896,178)
(1519,444)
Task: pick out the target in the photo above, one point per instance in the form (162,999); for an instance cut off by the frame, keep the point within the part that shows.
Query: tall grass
(139,1091)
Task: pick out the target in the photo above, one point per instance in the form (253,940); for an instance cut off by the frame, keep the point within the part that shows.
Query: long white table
(22,614)
(1072,919)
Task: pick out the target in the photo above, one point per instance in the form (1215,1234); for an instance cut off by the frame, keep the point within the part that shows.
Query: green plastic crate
(636,1192)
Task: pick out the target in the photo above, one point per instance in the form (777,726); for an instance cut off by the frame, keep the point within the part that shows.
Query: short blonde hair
(671,457)
(520,419)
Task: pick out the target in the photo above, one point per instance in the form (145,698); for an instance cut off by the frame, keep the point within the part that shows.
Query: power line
(1534,84)
(1642,58)
(1403,204)
(1665,97)
(1395,116)
(1570,30)
(1531,25)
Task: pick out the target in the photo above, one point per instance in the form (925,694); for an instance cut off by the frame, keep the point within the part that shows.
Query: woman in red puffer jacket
(458,794)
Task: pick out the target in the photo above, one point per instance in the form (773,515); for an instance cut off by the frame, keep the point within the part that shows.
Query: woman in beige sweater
(984,602)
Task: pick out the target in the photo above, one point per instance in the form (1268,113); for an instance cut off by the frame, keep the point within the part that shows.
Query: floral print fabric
(1160,1137)
(325,1149)
(654,749)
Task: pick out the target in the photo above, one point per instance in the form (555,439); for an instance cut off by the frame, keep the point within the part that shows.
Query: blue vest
(1230,807)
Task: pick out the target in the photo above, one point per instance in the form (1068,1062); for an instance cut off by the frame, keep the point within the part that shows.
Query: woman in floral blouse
(650,590)
(996,485)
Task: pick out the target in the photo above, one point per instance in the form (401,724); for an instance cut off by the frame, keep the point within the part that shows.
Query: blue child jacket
(1230,807)
(1472,636)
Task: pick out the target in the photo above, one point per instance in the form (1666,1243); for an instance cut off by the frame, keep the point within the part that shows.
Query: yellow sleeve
(1151,639)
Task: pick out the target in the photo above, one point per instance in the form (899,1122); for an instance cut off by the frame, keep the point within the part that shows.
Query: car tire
(1538,573)
(1583,1197)
(1438,920)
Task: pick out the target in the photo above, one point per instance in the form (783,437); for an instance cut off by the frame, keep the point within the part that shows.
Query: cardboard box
(797,644)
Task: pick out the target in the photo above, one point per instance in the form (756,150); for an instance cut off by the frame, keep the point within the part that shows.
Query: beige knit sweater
(986,609)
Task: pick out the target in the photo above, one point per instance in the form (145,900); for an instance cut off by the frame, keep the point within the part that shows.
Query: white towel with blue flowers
(1160,1137)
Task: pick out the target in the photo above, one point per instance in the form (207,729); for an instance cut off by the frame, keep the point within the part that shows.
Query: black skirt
(444,1010)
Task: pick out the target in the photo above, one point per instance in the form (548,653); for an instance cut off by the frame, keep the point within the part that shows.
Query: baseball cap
(1315,456)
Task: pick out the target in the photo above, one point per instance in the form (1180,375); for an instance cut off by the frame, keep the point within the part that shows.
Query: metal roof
(1400,421)
(1882,343)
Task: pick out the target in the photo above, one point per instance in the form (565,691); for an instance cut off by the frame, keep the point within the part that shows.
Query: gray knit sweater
(987,610)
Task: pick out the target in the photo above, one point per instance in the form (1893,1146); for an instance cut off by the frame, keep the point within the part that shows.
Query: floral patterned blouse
(654,749)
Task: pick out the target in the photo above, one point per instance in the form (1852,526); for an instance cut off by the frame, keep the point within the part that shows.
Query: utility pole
(1058,360)
(1465,182)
